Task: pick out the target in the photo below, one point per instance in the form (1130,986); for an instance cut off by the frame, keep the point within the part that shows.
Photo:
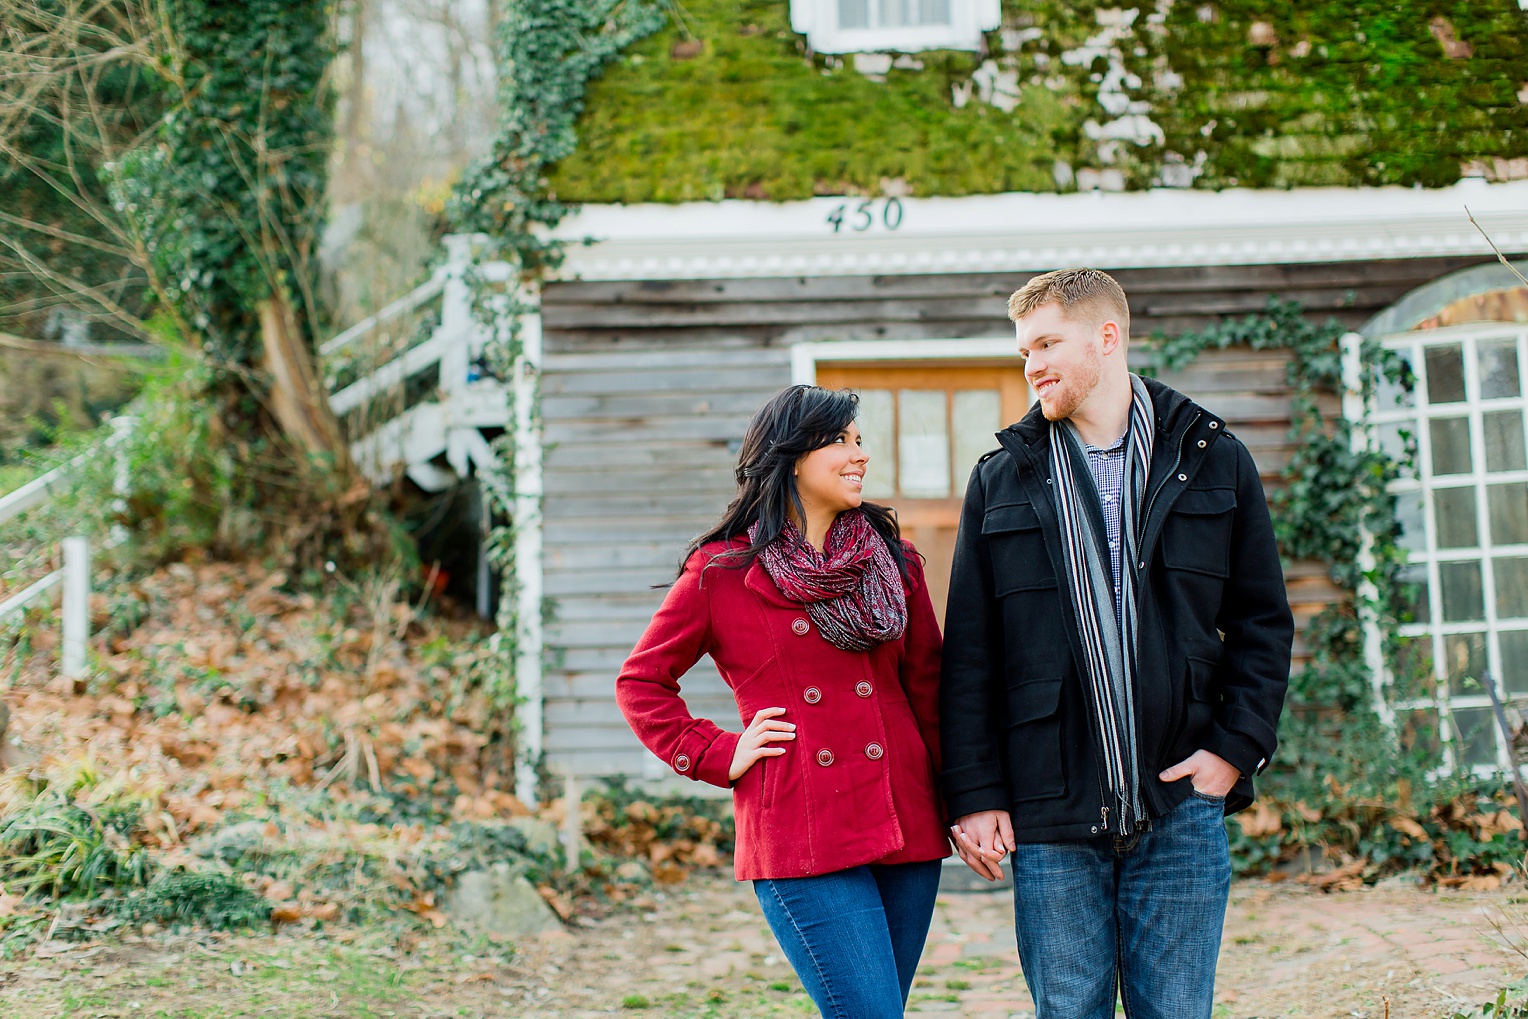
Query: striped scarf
(852,589)
(1108,637)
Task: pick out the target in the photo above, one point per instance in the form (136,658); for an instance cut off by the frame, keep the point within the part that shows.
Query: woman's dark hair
(792,424)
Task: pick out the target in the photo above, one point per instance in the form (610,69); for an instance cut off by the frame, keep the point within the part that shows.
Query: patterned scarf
(853,590)
(1108,638)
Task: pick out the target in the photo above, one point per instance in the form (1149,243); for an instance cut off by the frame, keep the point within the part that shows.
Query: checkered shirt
(1108,467)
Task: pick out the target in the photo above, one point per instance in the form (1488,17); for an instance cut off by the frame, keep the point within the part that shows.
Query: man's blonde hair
(1093,291)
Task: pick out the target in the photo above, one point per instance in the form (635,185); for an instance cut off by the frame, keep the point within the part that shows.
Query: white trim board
(804,356)
(1022,232)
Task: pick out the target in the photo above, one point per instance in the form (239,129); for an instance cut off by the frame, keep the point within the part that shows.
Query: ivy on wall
(1344,781)
(1217,94)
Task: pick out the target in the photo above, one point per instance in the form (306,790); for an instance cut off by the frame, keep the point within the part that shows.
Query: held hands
(982,840)
(1211,775)
(756,739)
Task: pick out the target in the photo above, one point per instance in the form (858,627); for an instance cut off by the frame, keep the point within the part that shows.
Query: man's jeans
(854,936)
(1142,913)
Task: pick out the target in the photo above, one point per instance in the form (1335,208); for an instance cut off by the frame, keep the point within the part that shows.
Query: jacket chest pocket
(1197,533)
(1020,561)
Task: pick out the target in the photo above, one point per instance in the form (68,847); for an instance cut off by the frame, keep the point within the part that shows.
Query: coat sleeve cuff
(972,789)
(1237,750)
(716,760)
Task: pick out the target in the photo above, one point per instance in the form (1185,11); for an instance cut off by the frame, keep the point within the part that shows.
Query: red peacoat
(857,785)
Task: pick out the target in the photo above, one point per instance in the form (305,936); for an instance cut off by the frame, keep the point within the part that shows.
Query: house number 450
(861,216)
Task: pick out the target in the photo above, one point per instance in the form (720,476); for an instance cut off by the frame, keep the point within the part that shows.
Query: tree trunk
(298,401)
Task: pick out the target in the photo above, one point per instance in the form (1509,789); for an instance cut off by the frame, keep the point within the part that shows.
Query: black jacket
(1213,644)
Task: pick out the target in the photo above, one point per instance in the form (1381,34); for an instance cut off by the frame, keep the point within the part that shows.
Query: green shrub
(203,898)
(71,838)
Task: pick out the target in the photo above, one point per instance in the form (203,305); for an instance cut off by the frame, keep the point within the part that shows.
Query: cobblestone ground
(1288,951)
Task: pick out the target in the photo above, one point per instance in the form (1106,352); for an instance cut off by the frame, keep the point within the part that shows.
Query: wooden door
(925,424)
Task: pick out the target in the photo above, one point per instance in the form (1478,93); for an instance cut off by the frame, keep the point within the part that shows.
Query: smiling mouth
(858,479)
(1045,385)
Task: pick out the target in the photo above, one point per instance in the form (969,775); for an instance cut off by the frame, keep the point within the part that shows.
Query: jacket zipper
(1146,519)
(1171,470)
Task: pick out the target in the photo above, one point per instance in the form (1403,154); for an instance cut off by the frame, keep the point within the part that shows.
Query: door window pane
(1450,445)
(1391,395)
(1464,660)
(853,13)
(1445,374)
(1414,677)
(1454,513)
(1508,508)
(874,420)
(1514,660)
(1504,440)
(1397,441)
(936,12)
(977,414)
(1511,586)
(923,452)
(1463,592)
(1477,741)
(1413,594)
(1498,369)
(1418,733)
(1410,515)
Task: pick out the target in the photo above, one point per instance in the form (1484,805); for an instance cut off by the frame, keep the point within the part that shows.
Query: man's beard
(1075,387)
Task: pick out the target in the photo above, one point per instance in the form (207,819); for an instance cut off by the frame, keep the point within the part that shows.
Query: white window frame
(1422,482)
(818,21)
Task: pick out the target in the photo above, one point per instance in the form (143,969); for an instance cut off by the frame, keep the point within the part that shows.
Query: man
(1117,647)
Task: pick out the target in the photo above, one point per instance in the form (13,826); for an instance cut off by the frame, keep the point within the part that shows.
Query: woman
(815,613)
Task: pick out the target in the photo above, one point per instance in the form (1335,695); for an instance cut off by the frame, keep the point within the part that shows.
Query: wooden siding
(648,386)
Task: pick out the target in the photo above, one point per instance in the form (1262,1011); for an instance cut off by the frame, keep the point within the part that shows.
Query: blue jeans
(854,936)
(1142,914)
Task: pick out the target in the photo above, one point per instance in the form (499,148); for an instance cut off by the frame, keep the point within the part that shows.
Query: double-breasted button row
(863,688)
(682,762)
(811,695)
(874,751)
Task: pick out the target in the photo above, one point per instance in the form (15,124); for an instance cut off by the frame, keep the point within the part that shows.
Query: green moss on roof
(1339,93)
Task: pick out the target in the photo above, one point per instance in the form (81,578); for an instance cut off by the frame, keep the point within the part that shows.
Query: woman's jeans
(854,936)
(1142,914)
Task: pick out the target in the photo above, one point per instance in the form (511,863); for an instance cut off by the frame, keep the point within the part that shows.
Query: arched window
(904,26)
(1464,510)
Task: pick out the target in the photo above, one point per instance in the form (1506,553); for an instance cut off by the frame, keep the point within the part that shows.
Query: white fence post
(76,604)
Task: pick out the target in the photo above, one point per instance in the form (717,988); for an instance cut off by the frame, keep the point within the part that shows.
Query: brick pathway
(704,950)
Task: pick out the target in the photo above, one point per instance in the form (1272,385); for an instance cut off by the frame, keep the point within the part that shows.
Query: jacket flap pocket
(1012,517)
(1205,502)
(1033,700)
(1201,681)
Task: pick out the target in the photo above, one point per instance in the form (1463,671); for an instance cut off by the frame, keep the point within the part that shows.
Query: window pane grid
(1465,419)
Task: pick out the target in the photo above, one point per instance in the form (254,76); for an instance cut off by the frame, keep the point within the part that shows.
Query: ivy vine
(1344,781)
(548,52)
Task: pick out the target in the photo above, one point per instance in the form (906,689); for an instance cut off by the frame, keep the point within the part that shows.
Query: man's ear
(1110,337)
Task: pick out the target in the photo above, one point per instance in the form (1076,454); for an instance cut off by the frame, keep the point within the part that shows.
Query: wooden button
(874,752)
(863,688)
(811,695)
(801,627)
(824,757)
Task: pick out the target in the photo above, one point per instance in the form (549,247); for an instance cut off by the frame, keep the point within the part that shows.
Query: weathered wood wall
(648,385)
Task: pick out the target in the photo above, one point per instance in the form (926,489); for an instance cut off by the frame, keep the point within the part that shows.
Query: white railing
(74,575)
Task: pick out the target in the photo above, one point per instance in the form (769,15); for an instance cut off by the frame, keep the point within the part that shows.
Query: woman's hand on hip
(763,730)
